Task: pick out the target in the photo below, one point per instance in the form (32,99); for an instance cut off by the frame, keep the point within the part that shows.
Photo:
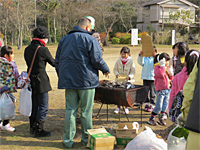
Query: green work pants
(73,98)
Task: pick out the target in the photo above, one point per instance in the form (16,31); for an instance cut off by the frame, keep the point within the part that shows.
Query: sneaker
(165,116)
(116,111)
(150,109)
(161,121)
(126,111)
(146,106)
(7,128)
(152,122)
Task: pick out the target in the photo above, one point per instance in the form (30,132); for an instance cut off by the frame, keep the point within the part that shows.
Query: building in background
(156,14)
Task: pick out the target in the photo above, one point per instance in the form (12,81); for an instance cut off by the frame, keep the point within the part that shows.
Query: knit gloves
(162,62)
(170,71)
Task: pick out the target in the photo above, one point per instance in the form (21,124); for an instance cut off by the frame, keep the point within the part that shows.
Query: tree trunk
(105,43)
(54,26)
(48,24)
(122,20)
(12,37)
(35,15)
(18,39)
(5,36)
(21,38)
(20,43)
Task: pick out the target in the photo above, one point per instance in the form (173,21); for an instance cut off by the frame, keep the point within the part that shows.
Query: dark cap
(41,32)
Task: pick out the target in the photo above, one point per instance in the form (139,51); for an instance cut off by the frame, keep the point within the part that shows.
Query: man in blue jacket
(78,59)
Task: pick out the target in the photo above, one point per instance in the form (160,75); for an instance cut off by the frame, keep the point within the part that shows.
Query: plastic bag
(7,107)
(175,143)
(146,140)
(25,100)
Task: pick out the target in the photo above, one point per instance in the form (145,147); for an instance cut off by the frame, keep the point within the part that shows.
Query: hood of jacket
(79,29)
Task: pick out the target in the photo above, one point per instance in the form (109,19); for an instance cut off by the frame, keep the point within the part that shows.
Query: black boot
(32,125)
(39,131)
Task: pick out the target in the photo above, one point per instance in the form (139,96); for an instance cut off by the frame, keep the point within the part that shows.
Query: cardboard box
(124,136)
(147,46)
(100,139)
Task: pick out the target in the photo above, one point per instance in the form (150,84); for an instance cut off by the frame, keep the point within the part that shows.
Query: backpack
(176,106)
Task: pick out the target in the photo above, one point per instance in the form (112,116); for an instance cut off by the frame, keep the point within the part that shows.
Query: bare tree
(49,7)
(126,14)
(109,17)
(19,17)
(69,13)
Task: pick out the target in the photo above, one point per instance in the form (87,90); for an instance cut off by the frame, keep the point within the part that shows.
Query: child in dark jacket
(179,51)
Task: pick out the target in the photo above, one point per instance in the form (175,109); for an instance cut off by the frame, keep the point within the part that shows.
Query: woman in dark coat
(40,83)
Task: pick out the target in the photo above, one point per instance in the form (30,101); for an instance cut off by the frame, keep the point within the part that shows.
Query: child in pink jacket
(180,79)
(162,76)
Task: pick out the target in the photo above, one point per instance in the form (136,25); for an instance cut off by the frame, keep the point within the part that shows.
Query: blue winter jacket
(147,64)
(78,59)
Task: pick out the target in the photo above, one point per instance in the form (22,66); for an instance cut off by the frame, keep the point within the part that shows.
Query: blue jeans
(39,106)
(162,101)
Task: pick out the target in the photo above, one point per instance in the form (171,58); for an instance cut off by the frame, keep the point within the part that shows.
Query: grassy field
(21,139)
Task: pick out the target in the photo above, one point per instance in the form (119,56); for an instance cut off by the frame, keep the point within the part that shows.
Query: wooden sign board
(147,46)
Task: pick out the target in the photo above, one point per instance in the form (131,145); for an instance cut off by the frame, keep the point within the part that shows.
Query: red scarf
(40,40)
(123,63)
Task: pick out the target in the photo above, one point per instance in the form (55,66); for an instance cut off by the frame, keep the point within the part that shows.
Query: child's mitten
(170,71)
(162,62)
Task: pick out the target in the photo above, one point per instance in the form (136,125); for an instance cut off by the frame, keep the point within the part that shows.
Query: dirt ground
(21,139)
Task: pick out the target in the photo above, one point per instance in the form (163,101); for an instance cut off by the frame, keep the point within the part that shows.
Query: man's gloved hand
(170,71)
(181,120)
(162,62)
